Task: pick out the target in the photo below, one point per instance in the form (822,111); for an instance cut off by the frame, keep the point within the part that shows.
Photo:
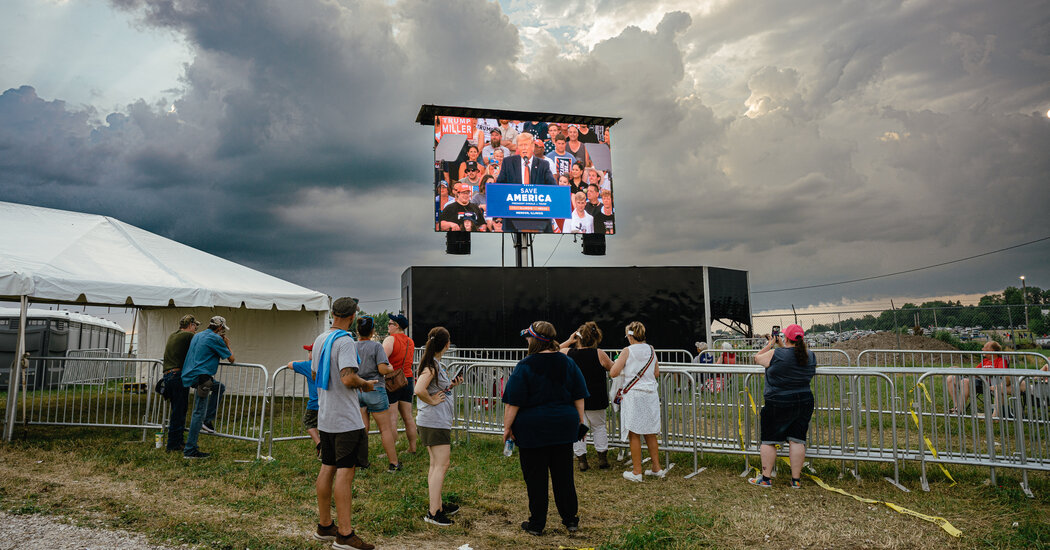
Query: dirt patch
(888,340)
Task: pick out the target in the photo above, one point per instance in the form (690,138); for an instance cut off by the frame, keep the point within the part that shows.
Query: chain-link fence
(964,327)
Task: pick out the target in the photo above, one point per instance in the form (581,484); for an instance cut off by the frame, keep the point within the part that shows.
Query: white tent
(58,256)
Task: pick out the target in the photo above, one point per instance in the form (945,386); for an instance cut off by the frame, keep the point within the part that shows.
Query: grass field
(112,478)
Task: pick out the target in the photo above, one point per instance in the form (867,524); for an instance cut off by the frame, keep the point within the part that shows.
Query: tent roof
(62,256)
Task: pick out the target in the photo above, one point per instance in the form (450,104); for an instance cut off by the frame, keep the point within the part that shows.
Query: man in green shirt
(174,355)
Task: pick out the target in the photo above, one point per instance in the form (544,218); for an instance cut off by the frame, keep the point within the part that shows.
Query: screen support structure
(522,244)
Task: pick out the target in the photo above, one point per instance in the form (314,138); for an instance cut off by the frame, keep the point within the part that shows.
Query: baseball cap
(701,345)
(308,347)
(472,165)
(187,320)
(794,332)
(460,187)
(727,345)
(218,321)
(344,307)
(401,320)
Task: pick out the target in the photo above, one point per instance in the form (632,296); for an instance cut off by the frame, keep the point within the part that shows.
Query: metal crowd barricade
(738,343)
(289,394)
(1012,430)
(102,392)
(241,412)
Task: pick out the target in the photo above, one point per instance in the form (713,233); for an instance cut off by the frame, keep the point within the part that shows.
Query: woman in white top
(581,221)
(640,405)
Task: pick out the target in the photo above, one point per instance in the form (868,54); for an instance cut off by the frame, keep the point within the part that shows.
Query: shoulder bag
(397,380)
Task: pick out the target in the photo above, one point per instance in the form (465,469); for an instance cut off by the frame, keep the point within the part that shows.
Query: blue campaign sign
(527,201)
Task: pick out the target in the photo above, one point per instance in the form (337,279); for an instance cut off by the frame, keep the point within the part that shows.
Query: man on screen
(562,161)
(495,144)
(462,215)
(473,177)
(524,167)
(581,221)
(594,204)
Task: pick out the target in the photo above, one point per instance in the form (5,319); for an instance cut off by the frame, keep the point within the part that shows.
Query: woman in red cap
(788,402)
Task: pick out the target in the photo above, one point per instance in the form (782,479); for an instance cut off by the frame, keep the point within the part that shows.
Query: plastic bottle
(508,448)
(157,437)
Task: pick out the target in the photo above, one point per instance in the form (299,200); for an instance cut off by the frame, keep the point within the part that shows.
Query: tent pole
(15,373)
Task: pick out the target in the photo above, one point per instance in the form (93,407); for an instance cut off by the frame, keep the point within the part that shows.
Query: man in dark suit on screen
(525,168)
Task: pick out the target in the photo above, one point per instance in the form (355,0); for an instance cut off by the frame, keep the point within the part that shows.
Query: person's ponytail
(437,339)
(801,353)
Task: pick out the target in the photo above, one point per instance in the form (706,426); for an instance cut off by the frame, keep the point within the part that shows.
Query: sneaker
(759,482)
(450,509)
(440,518)
(391,468)
(196,454)
(208,428)
(350,542)
(631,476)
(573,527)
(660,474)
(796,483)
(530,530)
(326,533)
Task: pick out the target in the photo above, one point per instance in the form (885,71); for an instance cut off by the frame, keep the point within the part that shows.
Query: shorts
(786,418)
(432,437)
(375,401)
(405,394)
(310,419)
(345,449)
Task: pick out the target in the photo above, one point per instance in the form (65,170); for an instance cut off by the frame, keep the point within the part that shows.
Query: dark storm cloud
(805,143)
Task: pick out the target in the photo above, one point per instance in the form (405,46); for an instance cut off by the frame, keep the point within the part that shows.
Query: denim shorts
(375,401)
(786,418)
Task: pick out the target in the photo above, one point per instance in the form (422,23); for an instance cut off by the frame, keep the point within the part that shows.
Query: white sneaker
(631,476)
(660,474)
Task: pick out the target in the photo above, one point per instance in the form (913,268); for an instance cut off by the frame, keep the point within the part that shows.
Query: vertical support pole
(707,304)
(15,375)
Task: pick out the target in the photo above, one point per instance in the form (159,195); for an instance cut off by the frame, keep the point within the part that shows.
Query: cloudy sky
(805,142)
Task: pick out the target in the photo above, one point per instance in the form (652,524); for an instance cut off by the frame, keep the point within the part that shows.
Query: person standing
(174,356)
(640,404)
(344,439)
(310,416)
(434,390)
(788,403)
(400,349)
(594,363)
(544,415)
(374,367)
(206,349)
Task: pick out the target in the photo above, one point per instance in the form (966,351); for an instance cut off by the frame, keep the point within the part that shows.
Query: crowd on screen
(461,184)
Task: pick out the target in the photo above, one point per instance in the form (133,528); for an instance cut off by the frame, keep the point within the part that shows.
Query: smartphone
(776,331)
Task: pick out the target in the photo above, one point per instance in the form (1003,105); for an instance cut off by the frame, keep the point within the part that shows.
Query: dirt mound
(888,340)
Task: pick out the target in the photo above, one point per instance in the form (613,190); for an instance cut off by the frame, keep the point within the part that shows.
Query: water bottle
(157,437)
(508,448)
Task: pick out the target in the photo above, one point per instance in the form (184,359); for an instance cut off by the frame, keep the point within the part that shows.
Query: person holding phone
(434,421)
(544,399)
(788,403)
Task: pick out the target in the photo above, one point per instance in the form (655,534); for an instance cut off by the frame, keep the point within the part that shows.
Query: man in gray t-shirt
(344,439)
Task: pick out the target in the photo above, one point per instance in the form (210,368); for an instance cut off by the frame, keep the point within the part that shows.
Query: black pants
(179,397)
(535,463)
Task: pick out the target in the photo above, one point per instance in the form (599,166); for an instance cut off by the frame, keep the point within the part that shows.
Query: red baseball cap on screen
(794,332)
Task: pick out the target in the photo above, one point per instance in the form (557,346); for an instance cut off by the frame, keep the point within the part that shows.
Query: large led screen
(513,176)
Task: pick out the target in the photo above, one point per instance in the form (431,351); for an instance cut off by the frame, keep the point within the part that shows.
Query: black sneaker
(450,509)
(196,454)
(573,526)
(326,533)
(208,428)
(350,542)
(528,529)
(438,519)
(391,468)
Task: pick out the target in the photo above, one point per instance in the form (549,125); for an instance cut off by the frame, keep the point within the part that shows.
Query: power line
(903,272)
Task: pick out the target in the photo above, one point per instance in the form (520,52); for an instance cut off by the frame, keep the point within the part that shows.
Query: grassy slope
(110,477)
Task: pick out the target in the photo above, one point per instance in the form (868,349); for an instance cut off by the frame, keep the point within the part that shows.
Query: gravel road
(43,532)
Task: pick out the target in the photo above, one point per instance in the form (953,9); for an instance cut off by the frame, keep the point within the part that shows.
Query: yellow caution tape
(915,419)
(939,521)
(575,548)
